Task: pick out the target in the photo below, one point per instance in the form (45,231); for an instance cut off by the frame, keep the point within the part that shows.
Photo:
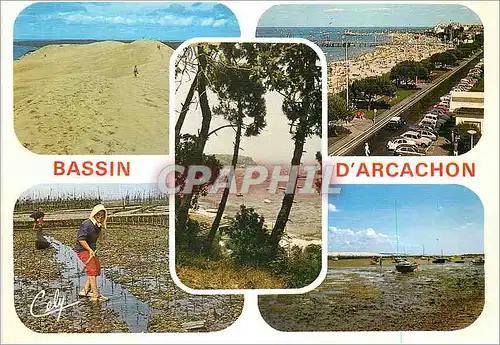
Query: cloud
(332,208)
(359,240)
(212,22)
(219,22)
(169,20)
(146,19)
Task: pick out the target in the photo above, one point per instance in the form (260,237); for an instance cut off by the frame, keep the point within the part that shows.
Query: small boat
(398,259)
(439,261)
(461,260)
(375,260)
(350,33)
(479,261)
(406,266)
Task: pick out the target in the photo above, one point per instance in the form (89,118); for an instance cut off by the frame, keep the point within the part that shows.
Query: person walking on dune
(136,72)
(86,248)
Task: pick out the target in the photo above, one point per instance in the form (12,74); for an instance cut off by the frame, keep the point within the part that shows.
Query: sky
(363,218)
(124,21)
(107,191)
(366,15)
(273,145)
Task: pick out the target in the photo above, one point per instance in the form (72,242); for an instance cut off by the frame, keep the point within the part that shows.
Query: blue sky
(365,15)
(125,21)
(362,218)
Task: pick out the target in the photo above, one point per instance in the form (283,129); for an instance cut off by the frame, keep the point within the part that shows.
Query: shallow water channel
(131,310)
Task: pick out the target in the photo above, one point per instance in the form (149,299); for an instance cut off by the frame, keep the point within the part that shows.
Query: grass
(333,140)
(436,74)
(401,94)
(226,275)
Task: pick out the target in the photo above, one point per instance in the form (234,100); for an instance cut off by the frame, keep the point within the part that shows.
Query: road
(410,109)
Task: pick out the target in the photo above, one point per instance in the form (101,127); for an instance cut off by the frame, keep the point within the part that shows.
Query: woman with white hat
(86,247)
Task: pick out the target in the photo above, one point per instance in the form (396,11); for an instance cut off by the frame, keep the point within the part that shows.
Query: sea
(22,47)
(21,50)
(335,34)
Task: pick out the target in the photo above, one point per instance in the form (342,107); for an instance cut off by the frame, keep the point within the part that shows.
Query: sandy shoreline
(84,99)
(403,47)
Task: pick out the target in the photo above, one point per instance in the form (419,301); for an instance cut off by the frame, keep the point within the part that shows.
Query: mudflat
(371,298)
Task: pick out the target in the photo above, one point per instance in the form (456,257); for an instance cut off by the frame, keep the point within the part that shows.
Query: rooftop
(469,112)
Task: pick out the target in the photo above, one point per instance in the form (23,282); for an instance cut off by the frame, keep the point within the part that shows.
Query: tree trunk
(286,205)
(185,107)
(201,85)
(225,194)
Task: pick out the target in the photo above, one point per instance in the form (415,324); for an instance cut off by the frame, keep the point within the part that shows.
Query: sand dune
(84,99)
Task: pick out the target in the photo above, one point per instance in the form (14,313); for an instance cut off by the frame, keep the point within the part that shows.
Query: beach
(85,99)
(402,47)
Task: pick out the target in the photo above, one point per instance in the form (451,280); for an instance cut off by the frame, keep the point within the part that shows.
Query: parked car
(417,138)
(436,111)
(396,142)
(428,122)
(428,134)
(431,117)
(441,107)
(441,114)
(396,122)
(408,150)
(417,128)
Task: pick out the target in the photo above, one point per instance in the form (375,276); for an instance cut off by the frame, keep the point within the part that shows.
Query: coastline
(382,60)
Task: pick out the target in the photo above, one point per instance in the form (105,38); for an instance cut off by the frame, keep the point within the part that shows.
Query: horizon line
(365,26)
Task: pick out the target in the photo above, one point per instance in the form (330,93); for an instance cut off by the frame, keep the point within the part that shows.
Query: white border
(250,327)
(324,197)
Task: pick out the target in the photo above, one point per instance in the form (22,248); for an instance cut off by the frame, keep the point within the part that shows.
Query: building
(474,116)
(473,100)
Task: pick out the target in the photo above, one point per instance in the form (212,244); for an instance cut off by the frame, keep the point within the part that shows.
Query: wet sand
(84,99)
(371,298)
(143,297)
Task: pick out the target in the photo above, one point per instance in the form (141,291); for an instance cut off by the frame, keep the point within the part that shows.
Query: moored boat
(406,266)
(479,261)
(439,261)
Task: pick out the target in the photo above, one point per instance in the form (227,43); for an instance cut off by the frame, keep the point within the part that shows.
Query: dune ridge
(84,99)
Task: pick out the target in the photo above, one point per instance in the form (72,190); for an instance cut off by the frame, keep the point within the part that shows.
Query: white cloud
(212,22)
(371,233)
(206,21)
(332,208)
(165,20)
(359,240)
(174,20)
(219,22)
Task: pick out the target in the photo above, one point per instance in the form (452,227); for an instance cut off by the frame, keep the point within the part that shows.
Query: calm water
(332,33)
(131,310)
(21,50)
